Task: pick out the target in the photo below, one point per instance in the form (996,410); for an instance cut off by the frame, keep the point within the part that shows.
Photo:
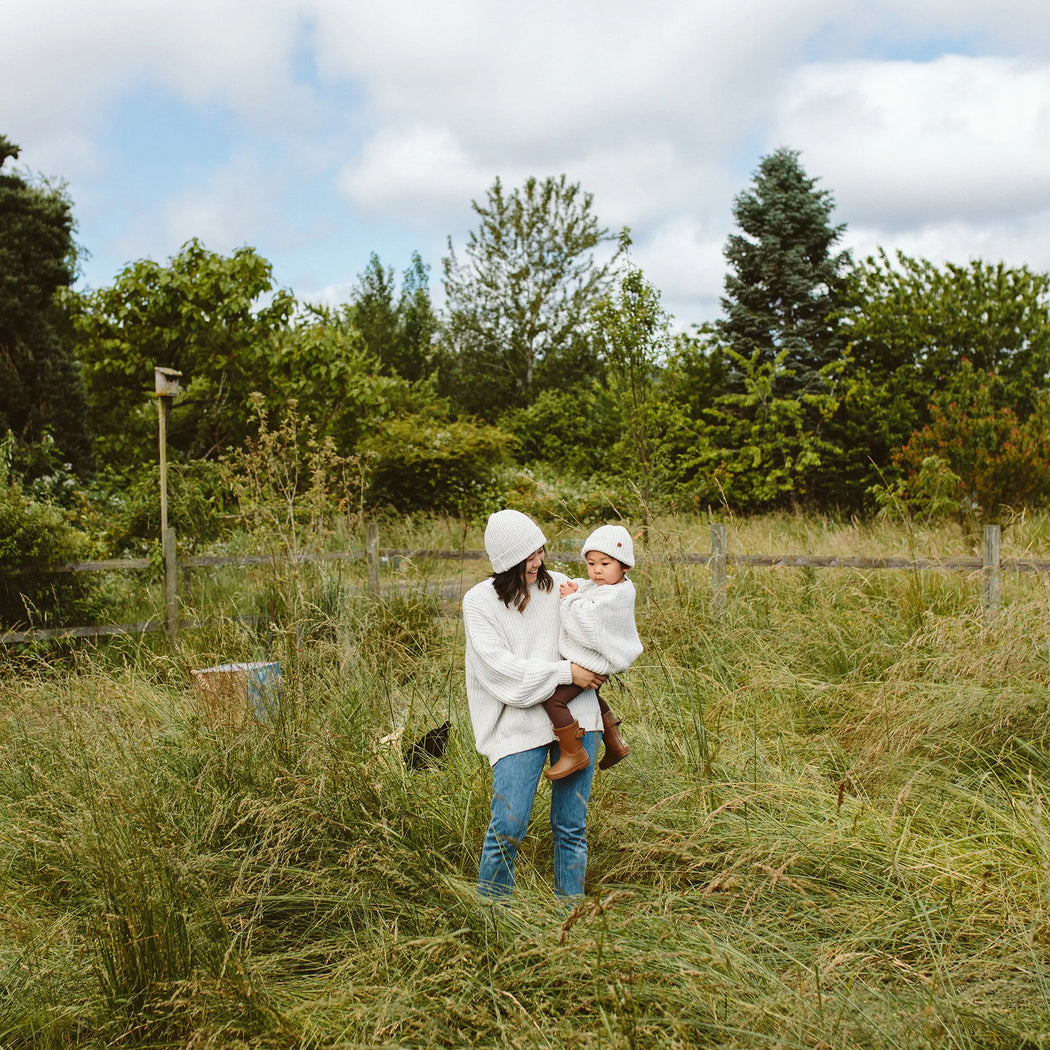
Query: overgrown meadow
(832,830)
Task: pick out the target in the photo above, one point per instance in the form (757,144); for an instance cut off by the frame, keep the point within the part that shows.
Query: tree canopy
(41,394)
(912,327)
(212,317)
(518,303)
(784,274)
(399,335)
(551,366)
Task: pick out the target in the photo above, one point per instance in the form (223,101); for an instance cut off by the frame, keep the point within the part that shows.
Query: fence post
(171,583)
(719,586)
(372,556)
(990,571)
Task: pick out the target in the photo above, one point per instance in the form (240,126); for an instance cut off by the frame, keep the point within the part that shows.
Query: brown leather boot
(573,756)
(615,745)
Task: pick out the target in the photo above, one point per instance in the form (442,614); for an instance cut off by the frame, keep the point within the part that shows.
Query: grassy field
(832,830)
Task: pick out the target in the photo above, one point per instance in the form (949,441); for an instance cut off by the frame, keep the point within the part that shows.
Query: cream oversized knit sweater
(597,626)
(513,665)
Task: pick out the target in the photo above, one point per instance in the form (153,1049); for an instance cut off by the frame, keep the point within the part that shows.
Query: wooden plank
(109,565)
(851,562)
(424,554)
(429,554)
(199,561)
(42,634)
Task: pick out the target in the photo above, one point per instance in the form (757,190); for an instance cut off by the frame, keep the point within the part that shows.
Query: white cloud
(1022,243)
(906,143)
(64,64)
(661,111)
(415,174)
(561,75)
(683,258)
(233,200)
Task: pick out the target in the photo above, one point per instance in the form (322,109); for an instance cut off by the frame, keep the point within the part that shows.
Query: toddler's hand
(567,588)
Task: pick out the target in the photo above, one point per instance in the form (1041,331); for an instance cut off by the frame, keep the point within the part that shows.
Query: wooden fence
(990,565)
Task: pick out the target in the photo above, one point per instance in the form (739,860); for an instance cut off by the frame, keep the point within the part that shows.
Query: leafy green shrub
(996,458)
(585,501)
(123,510)
(571,429)
(428,464)
(46,476)
(37,534)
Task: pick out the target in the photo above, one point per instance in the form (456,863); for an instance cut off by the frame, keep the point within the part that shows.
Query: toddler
(598,632)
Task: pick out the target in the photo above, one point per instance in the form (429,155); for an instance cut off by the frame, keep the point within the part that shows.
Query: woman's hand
(586,679)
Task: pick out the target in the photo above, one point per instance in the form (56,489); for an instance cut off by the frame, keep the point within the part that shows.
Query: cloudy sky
(320,131)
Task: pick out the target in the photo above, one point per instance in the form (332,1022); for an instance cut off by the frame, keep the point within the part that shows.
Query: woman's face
(532,565)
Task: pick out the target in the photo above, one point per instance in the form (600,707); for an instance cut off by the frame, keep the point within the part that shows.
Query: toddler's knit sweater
(597,626)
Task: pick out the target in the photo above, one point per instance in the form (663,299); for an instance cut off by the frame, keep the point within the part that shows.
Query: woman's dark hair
(511,587)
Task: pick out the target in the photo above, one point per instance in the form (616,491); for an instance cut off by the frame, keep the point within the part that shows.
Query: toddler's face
(603,568)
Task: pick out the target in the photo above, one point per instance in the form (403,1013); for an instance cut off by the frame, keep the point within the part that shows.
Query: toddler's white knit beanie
(613,540)
(510,537)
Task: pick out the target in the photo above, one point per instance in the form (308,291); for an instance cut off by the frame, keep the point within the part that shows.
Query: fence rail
(990,565)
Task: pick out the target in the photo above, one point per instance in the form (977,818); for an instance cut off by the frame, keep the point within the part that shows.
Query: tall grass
(832,831)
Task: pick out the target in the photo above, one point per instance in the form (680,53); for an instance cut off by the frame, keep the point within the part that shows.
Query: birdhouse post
(166,382)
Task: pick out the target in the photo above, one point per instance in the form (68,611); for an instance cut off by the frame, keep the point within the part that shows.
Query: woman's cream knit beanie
(510,537)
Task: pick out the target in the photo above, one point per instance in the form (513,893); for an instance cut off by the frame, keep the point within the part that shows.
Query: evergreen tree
(398,336)
(373,313)
(41,392)
(784,279)
(417,323)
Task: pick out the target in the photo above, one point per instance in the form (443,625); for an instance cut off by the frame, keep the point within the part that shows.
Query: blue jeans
(514,782)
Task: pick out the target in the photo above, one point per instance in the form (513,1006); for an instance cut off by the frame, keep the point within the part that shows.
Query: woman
(512,666)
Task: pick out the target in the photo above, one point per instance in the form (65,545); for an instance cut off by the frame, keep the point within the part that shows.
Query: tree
(785,277)
(417,323)
(912,328)
(41,393)
(398,336)
(322,364)
(760,449)
(632,332)
(373,313)
(913,317)
(994,458)
(518,305)
(213,318)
